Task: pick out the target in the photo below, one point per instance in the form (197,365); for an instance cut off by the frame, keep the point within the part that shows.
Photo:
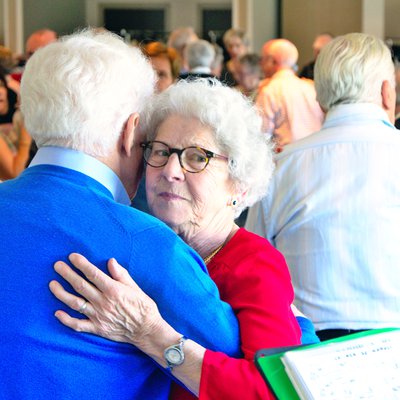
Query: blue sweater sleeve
(308,335)
(177,280)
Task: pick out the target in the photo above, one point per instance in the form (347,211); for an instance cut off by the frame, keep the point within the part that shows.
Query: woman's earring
(234,203)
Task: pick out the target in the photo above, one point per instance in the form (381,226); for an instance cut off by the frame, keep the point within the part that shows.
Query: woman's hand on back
(116,308)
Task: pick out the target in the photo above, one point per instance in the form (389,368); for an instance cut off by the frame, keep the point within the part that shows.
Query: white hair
(351,69)
(79,92)
(235,123)
(200,54)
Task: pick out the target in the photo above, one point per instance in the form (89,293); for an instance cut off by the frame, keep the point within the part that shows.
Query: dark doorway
(215,22)
(138,24)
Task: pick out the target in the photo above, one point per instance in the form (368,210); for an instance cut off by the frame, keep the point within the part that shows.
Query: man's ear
(388,95)
(128,135)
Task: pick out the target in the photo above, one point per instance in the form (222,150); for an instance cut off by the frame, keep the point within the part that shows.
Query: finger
(95,275)
(119,273)
(79,325)
(72,301)
(80,285)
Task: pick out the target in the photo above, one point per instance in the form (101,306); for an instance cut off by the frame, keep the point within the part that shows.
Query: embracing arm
(119,310)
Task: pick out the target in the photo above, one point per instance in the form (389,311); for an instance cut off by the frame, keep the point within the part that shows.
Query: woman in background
(15,141)
(236,44)
(166,63)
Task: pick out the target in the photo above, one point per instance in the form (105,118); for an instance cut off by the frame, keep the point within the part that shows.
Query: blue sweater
(51,211)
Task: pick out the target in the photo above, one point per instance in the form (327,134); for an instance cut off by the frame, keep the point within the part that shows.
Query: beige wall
(63,16)
(392,20)
(259,18)
(303,20)
(1,22)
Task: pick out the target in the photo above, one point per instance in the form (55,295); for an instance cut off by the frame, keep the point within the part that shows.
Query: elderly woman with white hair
(206,161)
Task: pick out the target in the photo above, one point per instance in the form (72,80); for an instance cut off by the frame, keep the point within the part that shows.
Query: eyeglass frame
(209,154)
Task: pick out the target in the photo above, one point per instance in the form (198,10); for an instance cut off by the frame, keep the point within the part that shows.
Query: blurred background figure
(319,42)
(218,62)
(14,139)
(7,62)
(236,45)
(288,103)
(8,107)
(179,38)
(249,75)
(35,41)
(39,39)
(200,56)
(165,61)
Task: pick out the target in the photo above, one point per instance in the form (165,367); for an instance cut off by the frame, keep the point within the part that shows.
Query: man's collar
(357,112)
(85,164)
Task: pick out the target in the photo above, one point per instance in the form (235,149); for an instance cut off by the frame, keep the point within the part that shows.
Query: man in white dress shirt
(334,205)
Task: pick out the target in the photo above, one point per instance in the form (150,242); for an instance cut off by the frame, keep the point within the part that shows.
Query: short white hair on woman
(351,69)
(235,122)
(78,92)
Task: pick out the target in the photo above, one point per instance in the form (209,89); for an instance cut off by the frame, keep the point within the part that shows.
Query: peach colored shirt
(289,107)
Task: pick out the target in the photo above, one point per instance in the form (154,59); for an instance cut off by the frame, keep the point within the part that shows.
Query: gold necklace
(209,257)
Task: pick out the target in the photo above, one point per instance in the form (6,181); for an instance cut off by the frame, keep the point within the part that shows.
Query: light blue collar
(85,164)
(356,112)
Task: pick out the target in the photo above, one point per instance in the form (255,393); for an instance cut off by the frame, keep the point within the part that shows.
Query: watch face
(174,355)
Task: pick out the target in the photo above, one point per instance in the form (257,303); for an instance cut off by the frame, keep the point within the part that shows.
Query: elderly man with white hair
(334,205)
(288,104)
(82,98)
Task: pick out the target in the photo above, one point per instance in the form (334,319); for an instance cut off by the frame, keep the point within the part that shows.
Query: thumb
(119,273)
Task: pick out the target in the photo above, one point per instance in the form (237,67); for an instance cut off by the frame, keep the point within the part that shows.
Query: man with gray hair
(82,97)
(200,56)
(334,205)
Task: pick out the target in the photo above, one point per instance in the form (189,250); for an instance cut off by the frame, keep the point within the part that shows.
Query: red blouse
(252,276)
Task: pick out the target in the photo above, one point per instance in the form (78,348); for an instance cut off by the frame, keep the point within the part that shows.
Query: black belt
(327,334)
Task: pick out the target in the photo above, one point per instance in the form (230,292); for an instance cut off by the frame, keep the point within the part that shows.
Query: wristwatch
(174,354)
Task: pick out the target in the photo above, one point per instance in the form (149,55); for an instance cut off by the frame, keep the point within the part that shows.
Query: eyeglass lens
(192,159)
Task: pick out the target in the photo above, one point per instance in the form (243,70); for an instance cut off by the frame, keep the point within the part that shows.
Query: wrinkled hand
(116,308)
